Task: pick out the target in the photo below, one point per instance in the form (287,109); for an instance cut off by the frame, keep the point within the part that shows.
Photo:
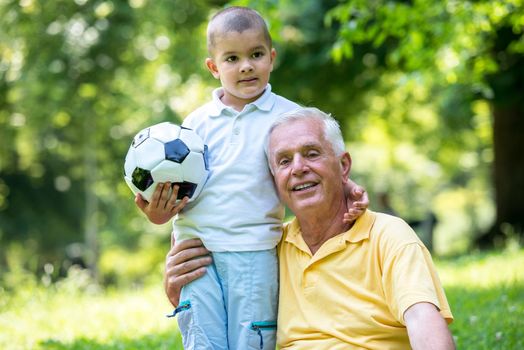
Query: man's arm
(427,329)
(185,262)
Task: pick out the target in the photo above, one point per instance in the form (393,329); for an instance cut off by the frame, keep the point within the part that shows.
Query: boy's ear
(212,67)
(273,56)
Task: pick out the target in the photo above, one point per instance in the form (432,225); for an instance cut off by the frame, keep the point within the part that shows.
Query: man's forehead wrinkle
(282,150)
(309,145)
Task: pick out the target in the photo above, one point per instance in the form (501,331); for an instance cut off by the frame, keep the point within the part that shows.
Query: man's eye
(283,162)
(312,154)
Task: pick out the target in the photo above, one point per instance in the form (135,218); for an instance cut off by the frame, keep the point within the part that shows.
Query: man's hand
(357,201)
(163,205)
(185,262)
(427,329)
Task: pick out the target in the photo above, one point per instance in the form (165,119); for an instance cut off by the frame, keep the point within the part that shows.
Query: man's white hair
(332,131)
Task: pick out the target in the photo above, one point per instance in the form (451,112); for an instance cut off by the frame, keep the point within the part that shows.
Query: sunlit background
(429,94)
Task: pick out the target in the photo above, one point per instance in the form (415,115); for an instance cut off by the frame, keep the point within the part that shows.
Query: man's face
(243,63)
(308,175)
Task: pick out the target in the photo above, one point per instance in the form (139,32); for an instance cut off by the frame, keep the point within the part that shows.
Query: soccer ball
(166,152)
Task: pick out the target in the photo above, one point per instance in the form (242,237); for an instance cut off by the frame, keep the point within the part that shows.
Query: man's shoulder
(389,220)
(392,230)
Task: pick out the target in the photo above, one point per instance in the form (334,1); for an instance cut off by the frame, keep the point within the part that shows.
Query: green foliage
(120,266)
(78,80)
(448,35)
(462,52)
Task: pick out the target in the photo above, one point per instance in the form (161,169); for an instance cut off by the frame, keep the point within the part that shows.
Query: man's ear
(345,165)
(212,67)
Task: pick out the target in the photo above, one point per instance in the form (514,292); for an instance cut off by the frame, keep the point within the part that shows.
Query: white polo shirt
(238,208)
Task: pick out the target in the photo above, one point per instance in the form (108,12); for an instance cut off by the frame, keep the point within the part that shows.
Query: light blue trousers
(234,305)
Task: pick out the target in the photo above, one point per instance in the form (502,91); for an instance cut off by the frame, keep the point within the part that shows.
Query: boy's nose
(246,67)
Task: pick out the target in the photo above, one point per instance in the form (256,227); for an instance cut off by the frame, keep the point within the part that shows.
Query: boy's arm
(163,205)
(357,201)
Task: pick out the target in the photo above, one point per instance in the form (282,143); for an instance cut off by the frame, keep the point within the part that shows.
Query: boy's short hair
(237,19)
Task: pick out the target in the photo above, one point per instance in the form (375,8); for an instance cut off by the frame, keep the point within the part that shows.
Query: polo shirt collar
(361,229)
(263,103)
(294,236)
(359,232)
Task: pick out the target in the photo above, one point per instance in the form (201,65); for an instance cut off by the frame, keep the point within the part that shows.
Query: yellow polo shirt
(354,291)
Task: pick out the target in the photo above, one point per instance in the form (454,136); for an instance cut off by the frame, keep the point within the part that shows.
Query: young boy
(238,214)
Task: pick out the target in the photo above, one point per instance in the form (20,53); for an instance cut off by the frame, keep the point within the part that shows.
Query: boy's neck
(236,103)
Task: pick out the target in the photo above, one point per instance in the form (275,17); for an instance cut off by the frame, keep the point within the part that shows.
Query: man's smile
(304,186)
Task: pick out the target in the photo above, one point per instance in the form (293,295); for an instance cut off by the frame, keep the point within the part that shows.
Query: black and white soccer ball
(166,152)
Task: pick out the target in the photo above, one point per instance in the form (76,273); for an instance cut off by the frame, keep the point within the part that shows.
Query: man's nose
(299,165)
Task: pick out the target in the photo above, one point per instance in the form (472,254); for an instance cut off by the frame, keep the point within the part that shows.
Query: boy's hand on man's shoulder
(357,201)
(163,205)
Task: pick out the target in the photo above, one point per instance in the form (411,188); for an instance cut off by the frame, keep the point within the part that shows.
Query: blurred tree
(475,50)
(77,80)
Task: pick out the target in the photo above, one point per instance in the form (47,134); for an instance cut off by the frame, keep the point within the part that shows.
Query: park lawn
(485,291)
(486,294)
(63,317)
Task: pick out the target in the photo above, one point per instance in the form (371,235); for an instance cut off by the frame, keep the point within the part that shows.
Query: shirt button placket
(236,129)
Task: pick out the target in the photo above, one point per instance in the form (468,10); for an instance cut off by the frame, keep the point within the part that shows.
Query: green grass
(486,293)
(75,314)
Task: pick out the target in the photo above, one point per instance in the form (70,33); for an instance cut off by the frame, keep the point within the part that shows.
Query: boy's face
(243,63)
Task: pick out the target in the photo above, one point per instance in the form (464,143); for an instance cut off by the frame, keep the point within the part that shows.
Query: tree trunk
(508,143)
(508,132)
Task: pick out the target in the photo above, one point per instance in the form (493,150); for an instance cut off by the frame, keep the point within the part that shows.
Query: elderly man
(371,284)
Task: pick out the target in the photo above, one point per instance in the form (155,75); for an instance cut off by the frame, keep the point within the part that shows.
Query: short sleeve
(409,277)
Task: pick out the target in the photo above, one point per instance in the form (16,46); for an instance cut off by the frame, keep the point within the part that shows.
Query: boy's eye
(231,59)
(257,54)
